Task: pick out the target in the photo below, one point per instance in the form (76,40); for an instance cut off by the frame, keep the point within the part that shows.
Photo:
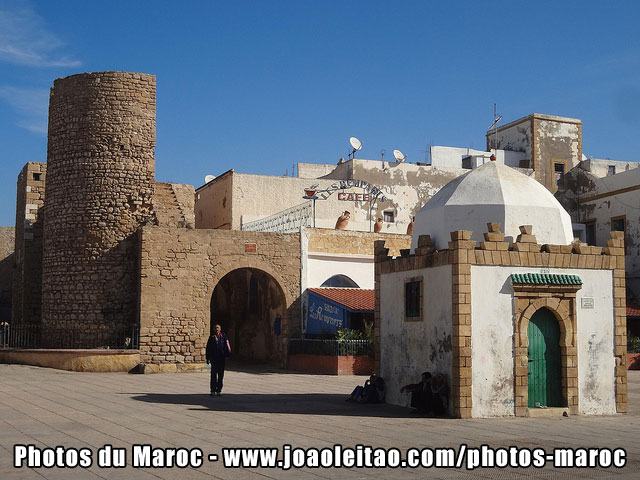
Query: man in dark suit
(218,349)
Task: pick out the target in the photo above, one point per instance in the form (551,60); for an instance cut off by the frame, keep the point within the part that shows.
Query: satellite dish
(399,156)
(355,143)
(209,178)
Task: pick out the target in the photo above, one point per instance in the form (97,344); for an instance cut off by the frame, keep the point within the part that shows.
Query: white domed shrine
(493,192)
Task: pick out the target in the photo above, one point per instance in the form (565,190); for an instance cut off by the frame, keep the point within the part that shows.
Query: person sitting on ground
(439,395)
(420,394)
(372,392)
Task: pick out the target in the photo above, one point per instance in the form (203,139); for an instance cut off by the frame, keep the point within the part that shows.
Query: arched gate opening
(250,306)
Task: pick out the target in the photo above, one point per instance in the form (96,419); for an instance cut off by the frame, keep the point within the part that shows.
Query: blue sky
(258,86)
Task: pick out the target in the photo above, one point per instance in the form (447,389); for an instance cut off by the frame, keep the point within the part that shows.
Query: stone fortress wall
(101,165)
(27,284)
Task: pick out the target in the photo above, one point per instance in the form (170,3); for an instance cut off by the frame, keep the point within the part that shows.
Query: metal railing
(286,221)
(330,347)
(4,335)
(70,336)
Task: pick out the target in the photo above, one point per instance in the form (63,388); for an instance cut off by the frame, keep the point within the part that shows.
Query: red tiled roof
(352,298)
(633,310)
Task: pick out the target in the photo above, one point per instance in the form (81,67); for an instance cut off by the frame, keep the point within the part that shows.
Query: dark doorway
(250,306)
(544,360)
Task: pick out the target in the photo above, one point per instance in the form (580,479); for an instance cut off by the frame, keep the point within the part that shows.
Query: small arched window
(339,281)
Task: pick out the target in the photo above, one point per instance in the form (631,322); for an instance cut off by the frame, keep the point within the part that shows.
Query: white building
(516,327)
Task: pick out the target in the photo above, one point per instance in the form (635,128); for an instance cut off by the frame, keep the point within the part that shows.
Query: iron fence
(4,335)
(70,336)
(330,347)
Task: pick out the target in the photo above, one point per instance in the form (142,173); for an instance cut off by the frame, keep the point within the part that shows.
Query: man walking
(218,349)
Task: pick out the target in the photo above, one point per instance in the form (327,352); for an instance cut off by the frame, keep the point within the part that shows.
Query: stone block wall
(100,185)
(27,283)
(354,243)
(179,271)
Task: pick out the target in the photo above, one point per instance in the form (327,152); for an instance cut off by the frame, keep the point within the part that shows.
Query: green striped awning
(544,279)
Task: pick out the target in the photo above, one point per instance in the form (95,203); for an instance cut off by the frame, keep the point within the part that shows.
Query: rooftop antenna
(356,145)
(382,152)
(494,125)
(399,156)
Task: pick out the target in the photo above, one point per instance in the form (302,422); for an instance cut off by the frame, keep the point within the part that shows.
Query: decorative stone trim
(380,254)
(561,303)
(460,248)
(615,248)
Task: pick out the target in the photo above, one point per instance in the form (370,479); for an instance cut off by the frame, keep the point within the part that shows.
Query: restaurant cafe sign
(370,193)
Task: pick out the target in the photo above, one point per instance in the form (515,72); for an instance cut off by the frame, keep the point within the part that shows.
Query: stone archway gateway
(251,307)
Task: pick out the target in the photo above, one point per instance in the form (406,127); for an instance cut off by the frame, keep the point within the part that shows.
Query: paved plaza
(264,408)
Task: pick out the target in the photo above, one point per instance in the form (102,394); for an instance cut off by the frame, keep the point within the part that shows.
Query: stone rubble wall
(180,269)
(173,205)
(100,185)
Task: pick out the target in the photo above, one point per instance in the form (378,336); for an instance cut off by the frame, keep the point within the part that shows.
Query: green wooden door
(544,367)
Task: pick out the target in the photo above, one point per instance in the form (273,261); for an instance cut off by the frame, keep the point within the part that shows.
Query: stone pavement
(262,408)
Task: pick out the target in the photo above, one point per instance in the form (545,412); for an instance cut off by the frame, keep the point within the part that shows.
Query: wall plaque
(587,302)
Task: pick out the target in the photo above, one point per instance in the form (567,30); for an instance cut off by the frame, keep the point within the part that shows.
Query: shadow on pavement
(297,404)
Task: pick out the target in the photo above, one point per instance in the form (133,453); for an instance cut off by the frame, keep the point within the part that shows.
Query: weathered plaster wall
(213,203)
(314,170)
(516,136)
(180,269)
(452,156)
(599,167)
(589,198)
(253,197)
(493,329)
(409,348)
(492,342)
(555,140)
(544,139)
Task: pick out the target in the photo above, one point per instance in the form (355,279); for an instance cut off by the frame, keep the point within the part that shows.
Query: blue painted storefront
(325,316)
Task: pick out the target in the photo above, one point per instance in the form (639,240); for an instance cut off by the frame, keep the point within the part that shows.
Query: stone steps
(167,208)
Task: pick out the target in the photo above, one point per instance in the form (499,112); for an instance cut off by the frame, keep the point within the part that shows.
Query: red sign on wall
(250,248)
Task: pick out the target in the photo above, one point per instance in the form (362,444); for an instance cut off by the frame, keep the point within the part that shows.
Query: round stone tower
(99,190)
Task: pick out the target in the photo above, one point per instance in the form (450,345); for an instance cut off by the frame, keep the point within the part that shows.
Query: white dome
(493,192)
